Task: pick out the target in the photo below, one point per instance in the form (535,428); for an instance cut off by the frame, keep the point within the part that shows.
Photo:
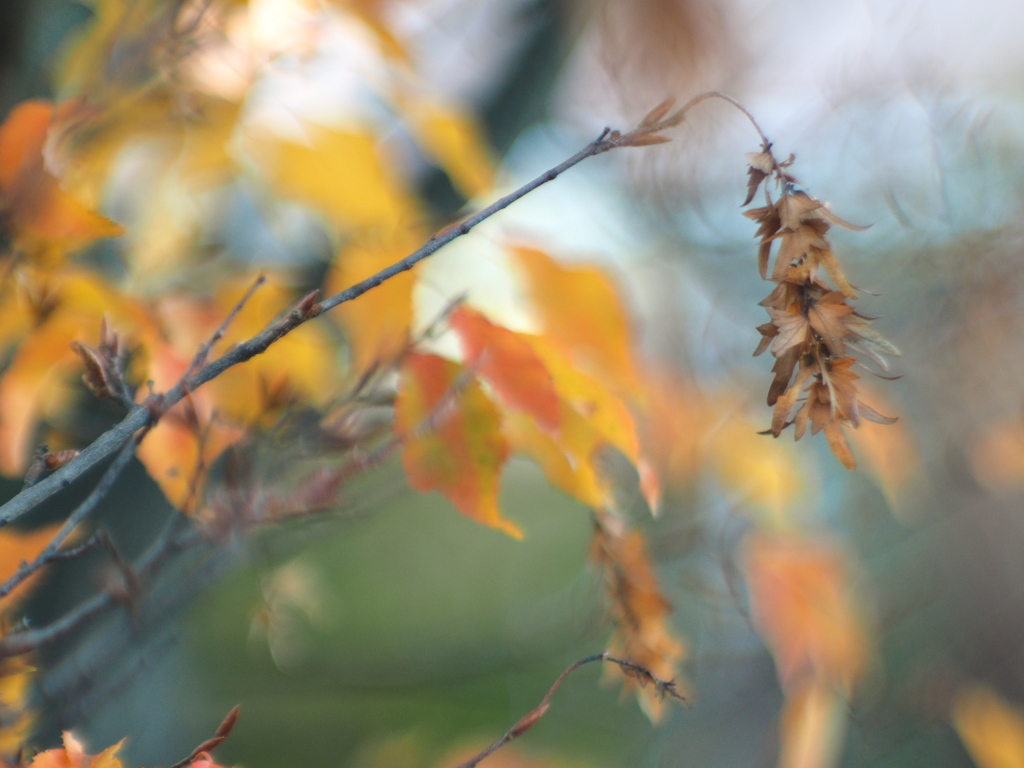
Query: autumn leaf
(804,604)
(991,728)
(70,306)
(17,547)
(452,440)
(580,308)
(812,727)
(638,608)
(73,756)
(451,137)
(377,324)
(507,361)
(44,220)
(17,719)
(339,172)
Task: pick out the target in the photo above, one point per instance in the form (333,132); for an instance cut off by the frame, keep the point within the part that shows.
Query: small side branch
(525,723)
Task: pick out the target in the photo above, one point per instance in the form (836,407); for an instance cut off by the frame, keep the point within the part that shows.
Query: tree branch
(525,723)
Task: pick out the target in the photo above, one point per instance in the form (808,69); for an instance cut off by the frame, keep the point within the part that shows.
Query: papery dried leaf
(825,213)
(827,317)
(796,245)
(794,331)
(99,375)
(784,405)
(761,166)
(797,208)
(638,608)
(768,332)
(647,139)
(783,370)
(870,414)
(652,117)
(823,255)
(839,445)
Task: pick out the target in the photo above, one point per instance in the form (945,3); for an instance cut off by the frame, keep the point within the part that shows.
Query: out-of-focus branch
(525,723)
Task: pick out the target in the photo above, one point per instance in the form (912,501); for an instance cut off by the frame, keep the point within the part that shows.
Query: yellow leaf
(378,321)
(339,173)
(812,727)
(990,727)
(759,471)
(18,721)
(452,138)
(579,307)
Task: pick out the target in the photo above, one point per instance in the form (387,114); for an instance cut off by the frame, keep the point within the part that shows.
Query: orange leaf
(453,442)
(580,309)
(44,219)
(803,602)
(508,363)
(73,756)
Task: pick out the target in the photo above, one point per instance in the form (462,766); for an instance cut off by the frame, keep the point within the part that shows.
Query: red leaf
(508,363)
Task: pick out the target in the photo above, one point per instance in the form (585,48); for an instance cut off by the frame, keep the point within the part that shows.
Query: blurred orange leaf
(638,608)
(452,438)
(804,604)
(44,220)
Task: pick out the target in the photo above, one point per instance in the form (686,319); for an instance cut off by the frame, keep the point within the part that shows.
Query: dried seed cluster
(814,333)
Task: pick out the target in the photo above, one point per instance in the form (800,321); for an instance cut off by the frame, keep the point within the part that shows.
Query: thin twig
(172,539)
(204,351)
(525,723)
(82,511)
(222,732)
